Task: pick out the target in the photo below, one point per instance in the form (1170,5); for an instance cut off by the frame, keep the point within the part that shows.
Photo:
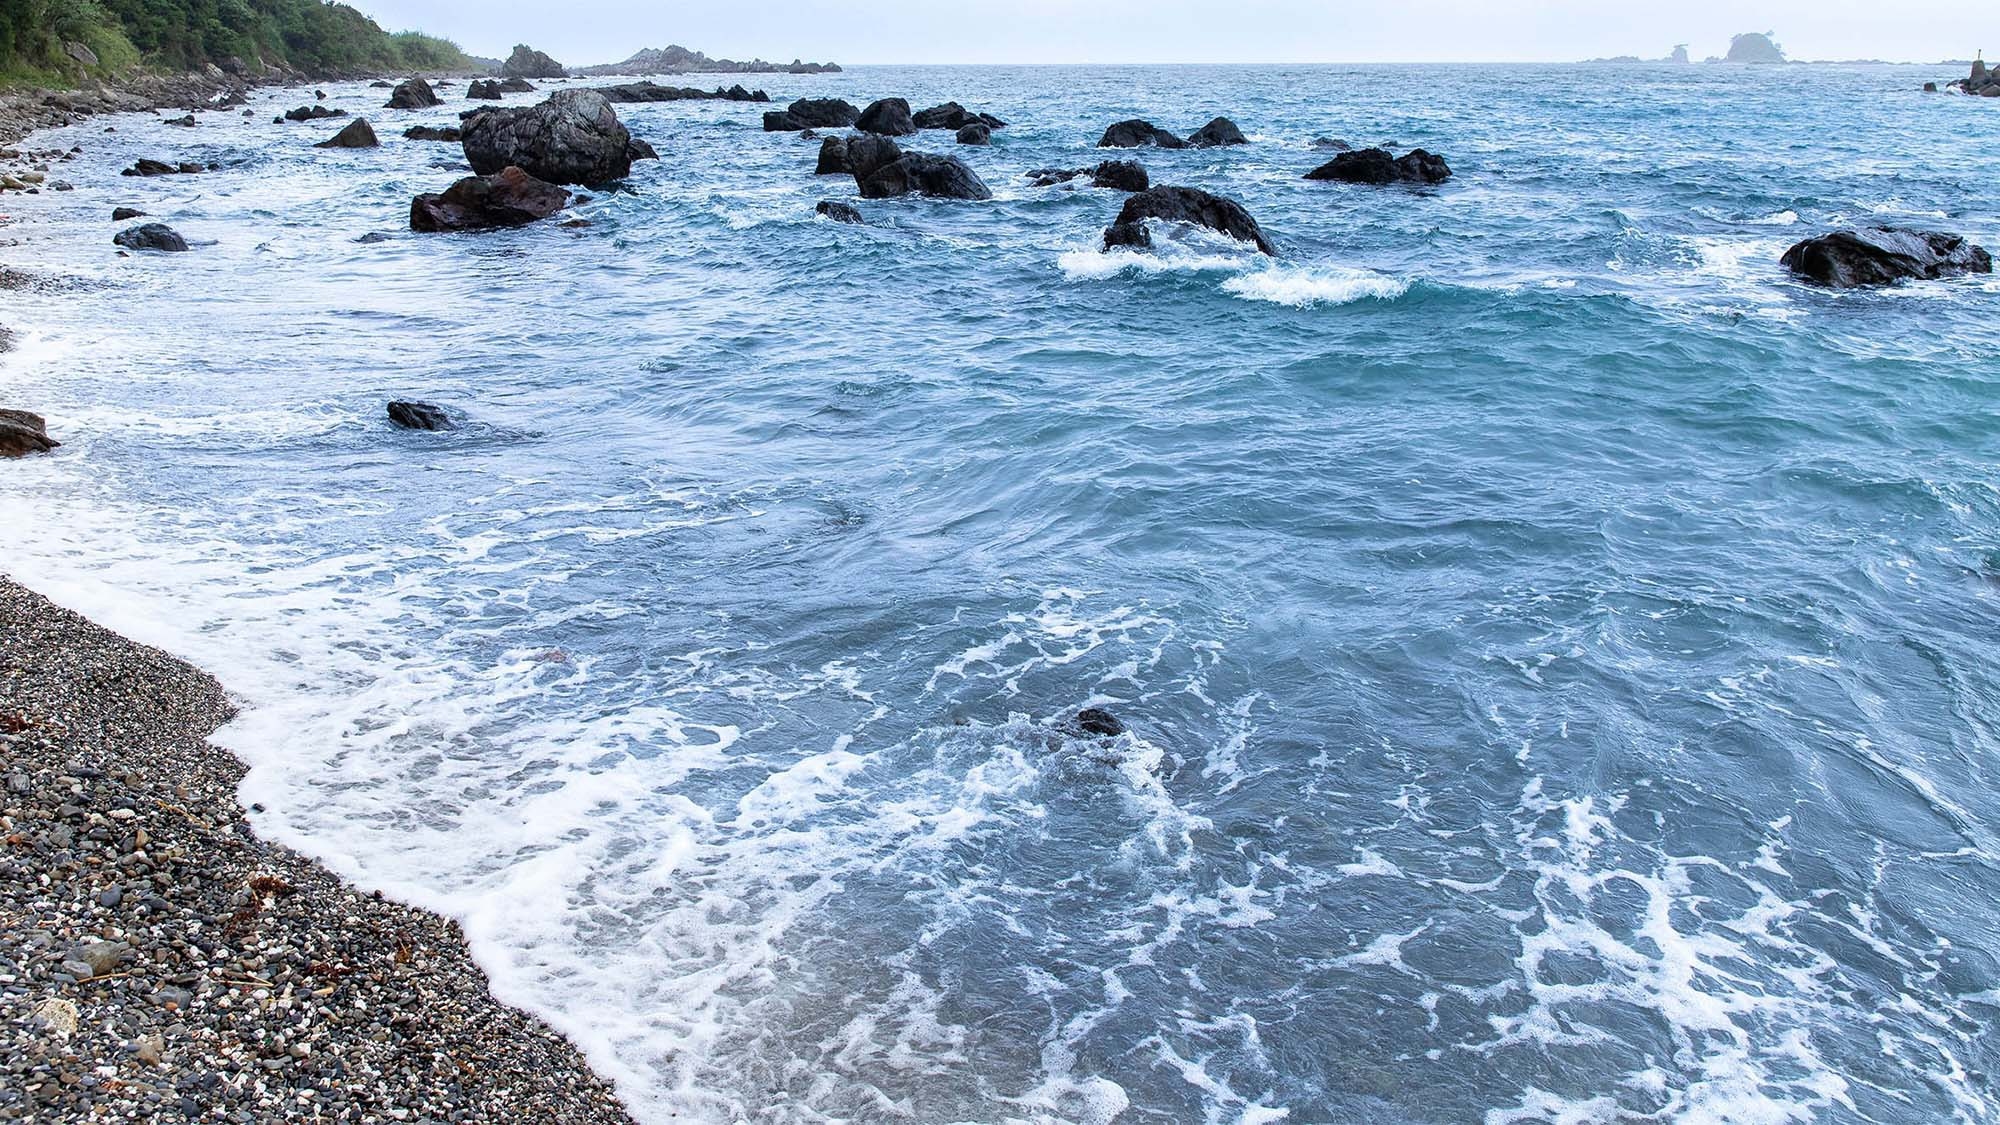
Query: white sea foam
(1314,286)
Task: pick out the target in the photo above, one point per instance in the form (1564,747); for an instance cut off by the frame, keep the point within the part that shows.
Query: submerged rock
(420,416)
(1377,166)
(413,93)
(22,433)
(1217,133)
(1869,256)
(1331,144)
(1183,205)
(812,113)
(151,236)
(1099,722)
(1139,134)
(574,137)
(920,173)
(357,134)
(432,133)
(508,198)
(838,212)
(889,117)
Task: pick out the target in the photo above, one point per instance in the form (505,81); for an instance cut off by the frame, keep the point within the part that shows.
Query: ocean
(1557,649)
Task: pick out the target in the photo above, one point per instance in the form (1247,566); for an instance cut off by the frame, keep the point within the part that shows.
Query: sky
(1239,31)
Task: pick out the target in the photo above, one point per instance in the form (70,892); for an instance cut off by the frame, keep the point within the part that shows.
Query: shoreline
(159,958)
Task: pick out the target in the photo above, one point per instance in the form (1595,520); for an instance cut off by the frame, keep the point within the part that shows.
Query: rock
(432,133)
(1217,133)
(151,236)
(812,113)
(1331,144)
(312,113)
(942,177)
(22,433)
(889,117)
(637,150)
(420,416)
(1099,722)
(1184,205)
(1121,175)
(527,62)
(80,53)
(838,212)
(1754,48)
(1138,134)
(413,93)
(515,84)
(954,117)
(868,154)
(101,956)
(186,122)
(120,214)
(976,133)
(484,90)
(1930,88)
(379,84)
(373,237)
(832,158)
(574,137)
(1869,256)
(160,168)
(1376,166)
(357,134)
(508,198)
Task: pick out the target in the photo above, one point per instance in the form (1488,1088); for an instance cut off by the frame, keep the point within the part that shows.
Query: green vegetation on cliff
(56,41)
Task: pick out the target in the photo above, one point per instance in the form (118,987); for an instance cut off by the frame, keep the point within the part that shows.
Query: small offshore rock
(1872,256)
(889,117)
(574,137)
(413,93)
(150,167)
(832,158)
(22,433)
(1184,205)
(448,133)
(420,416)
(812,113)
(508,198)
(151,236)
(1139,134)
(120,214)
(953,116)
(1097,721)
(312,113)
(976,133)
(357,134)
(1377,166)
(838,212)
(920,173)
(1217,133)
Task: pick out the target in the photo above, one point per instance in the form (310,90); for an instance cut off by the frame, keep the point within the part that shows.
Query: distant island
(675,59)
(1755,49)
(1679,57)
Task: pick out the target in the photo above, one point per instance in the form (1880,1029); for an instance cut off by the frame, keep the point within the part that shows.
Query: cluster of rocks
(159,961)
(494,89)
(309,113)
(29,111)
(150,167)
(1379,166)
(1118,175)
(1144,134)
(887,117)
(882,169)
(30,172)
(649,92)
(1981,83)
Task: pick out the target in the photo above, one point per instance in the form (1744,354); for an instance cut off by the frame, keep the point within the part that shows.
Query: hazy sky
(988,31)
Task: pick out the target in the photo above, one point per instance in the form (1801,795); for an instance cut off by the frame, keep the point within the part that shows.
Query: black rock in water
(146,167)
(954,117)
(120,214)
(1121,175)
(432,133)
(313,113)
(1139,134)
(832,158)
(420,416)
(486,90)
(838,212)
(1184,205)
(1097,721)
(515,84)
(151,236)
(1217,133)
(526,62)
(1377,166)
(22,433)
(508,198)
(889,117)
(941,177)
(358,134)
(812,113)
(574,137)
(975,134)
(638,150)
(868,154)
(1331,144)
(413,93)
(1870,256)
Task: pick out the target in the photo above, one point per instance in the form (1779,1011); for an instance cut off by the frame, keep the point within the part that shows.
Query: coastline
(160,958)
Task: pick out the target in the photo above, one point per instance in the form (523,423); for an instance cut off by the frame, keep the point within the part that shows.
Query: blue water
(1558,649)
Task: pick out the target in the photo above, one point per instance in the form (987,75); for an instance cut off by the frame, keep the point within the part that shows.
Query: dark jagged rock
(1870,256)
(381,84)
(526,62)
(313,113)
(574,137)
(484,90)
(373,237)
(1217,133)
(1376,166)
(1098,722)
(186,121)
(868,154)
(975,134)
(651,92)
(954,117)
(145,167)
(942,177)
(838,212)
(413,93)
(121,214)
(889,117)
(832,158)
(357,134)
(514,84)
(637,150)
(508,198)
(151,236)
(432,133)
(1184,205)
(420,416)
(812,113)
(1118,175)
(22,433)
(1139,134)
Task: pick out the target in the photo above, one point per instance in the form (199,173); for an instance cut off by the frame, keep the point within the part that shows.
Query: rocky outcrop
(358,134)
(122,214)
(1981,83)
(1870,256)
(918,173)
(413,93)
(508,198)
(313,113)
(22,433)
(1118,175)
(1754,48)
(526,62)
(1217,133)
(1183,205)
(838,212)
(574,137)
(151,236)
(420,416)
(432,133)
(812,113)
(637,150)
(975,134)
(146,167)
(649,92)
(888,117)
(833,158)
(1139,134)
(484,90)
(954,117)
(1097,723)
(1377,166)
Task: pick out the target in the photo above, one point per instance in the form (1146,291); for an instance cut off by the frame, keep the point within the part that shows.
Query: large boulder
(832,157)
(954,117)
(151,236)
(920,173)
(1850,259)
(413,93)
(868,154)
(508,198)
(812,113)
(526,62)
(22,433)
(890,117)
(1217,133)
(1184,205)
(1377,166)
(1139,134)
(358,134)
(574,137)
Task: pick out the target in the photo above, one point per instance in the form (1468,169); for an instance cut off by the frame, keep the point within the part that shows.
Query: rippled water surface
(1558,649)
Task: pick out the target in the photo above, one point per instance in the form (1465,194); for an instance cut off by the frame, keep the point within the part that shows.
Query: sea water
(1558,648)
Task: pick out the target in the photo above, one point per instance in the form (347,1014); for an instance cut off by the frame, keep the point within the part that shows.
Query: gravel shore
(159,962)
